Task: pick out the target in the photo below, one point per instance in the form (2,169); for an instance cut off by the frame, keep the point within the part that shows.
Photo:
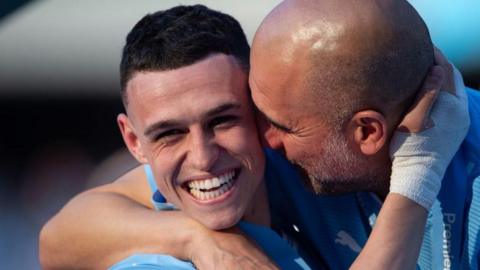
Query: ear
(130,138)
(369,131)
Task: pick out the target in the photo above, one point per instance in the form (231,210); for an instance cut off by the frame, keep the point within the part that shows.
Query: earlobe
(369,131)
(130,138)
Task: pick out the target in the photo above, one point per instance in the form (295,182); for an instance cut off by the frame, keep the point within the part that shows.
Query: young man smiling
(194,125)
(191,140)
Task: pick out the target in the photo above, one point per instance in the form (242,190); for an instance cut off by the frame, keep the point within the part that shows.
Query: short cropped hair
(178,37)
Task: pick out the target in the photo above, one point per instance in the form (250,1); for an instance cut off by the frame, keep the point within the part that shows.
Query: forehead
(192,89)
(278,90)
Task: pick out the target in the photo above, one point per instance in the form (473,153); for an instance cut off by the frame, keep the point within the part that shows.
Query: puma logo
(345,239)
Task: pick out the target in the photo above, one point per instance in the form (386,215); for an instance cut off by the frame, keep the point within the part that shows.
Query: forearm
(396,238)
(420,157)
(97,229)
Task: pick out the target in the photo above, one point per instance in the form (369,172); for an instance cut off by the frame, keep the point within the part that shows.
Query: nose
(269,135)
(203,152)
(272,138)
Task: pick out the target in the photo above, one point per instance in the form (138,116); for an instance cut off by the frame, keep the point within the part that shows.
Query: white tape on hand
(419,160)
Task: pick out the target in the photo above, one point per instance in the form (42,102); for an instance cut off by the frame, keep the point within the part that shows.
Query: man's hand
(430,135)
(419,162)
(441,77)
(227,249)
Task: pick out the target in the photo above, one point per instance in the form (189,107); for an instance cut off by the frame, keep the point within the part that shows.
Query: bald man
(338,75)
(333,78)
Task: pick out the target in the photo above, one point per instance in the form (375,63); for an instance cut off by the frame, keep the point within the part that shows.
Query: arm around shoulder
(104,225)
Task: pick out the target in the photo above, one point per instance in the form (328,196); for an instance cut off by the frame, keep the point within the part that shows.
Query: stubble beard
(335,169)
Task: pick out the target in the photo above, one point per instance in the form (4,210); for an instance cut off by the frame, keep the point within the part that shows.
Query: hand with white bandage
(428,138)
(421,149)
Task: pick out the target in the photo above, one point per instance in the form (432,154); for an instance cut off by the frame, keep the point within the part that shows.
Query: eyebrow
(166,124)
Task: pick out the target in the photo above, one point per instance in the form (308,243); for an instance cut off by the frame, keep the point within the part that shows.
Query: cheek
(243,144)
(297,148)
(166,188)
(165,169)
(242,140)
(252,152)
(168,159)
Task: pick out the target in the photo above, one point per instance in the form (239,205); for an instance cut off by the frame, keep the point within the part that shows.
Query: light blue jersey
(284,255)
(335,228)
(330,231)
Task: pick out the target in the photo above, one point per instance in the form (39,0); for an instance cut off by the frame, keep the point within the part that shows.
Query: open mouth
(208,189)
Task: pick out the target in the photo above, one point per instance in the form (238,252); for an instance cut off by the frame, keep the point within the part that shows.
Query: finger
(439,57)
(428,92)
(449,81)
(417,118)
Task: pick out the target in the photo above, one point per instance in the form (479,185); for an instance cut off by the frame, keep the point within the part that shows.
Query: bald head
(338,57)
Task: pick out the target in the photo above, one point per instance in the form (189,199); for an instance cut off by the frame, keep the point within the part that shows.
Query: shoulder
(133,185)
(278,167)
(473,99)
(471,144)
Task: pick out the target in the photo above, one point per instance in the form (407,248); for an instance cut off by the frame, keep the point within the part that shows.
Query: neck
(383,177)
(384,186)
(259,210)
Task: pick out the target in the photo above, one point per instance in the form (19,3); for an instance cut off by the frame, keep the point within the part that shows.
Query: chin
(340,175)
(219,222)
(333,186)
(339,185)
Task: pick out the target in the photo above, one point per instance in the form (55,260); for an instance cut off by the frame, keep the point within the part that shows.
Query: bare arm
(397,236)
(90,231)
(105,225)
(95,230)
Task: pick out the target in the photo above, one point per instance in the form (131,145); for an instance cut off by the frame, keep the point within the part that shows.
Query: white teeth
(208,184)
(211,183)
(201,189)
(216,182)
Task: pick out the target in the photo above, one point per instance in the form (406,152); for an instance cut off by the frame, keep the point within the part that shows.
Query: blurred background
(59,98)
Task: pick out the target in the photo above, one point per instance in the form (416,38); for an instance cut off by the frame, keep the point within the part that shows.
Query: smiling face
(195,127)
